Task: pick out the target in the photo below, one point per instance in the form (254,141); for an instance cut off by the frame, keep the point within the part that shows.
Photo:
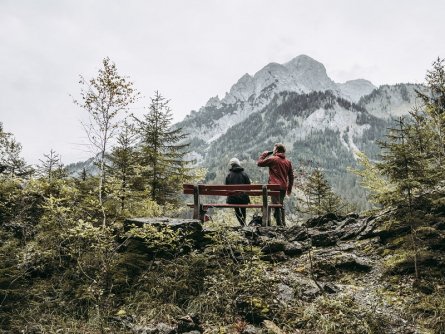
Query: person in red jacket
(280,172)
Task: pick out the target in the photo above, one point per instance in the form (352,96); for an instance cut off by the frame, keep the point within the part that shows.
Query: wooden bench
(263,190)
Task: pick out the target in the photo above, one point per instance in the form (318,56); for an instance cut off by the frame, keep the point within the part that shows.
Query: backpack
(257,220)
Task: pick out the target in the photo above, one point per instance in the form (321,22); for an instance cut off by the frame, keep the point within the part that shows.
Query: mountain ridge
(298,104)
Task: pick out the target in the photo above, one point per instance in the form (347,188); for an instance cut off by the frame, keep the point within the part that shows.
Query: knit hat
(234,161)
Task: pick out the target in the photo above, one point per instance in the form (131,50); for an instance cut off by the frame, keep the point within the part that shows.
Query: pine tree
(381,190)
(430,120)
(163,151)
(11,163)
(124,165)
(402,163)
(52,167)
(320,199)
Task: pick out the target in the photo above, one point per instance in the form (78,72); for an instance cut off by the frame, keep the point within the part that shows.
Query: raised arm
(263,160)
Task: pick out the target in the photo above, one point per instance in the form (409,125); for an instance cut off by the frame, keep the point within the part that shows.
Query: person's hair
(280,148)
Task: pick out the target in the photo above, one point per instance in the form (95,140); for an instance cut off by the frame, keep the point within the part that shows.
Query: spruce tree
(320,199)
(402,163)
(52,167)
(162,151)
(11,163)
(430,120)
(123,164)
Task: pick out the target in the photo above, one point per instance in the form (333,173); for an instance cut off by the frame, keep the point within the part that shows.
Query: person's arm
(246,179)
(263,160)
(291,180)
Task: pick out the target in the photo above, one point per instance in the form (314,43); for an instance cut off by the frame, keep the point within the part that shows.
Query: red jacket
(280,169)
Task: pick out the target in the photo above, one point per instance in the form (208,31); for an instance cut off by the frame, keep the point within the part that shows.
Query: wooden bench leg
(283,219)
(266,213)
(197,205)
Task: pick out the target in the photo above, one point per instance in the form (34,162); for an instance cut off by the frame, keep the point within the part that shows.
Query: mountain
(321,122)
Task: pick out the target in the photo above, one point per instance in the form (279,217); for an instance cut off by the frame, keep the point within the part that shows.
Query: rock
(293,248)
(331,263)
(439,226)
(330,287)
(250,329)
(186,225)
(346,222)
(297,233)
(274,257)
(323,239)
(188,324)
(274,245)
(189,230)
(321,220)
(272,328)
(285,293)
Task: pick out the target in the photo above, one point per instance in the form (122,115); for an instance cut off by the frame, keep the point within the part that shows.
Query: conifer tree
(320,199)
(430,120)
(402,163)
(11,163)
(163,151)
(52,167)
(123,163)
(381,190)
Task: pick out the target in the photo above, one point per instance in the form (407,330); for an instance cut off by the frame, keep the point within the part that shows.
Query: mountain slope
(296,103)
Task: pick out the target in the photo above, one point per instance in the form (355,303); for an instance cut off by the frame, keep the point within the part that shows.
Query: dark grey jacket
(237,176)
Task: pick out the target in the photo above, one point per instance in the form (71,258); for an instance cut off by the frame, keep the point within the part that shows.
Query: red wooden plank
(222,205)
(207,192)
(238,186)
(209,189)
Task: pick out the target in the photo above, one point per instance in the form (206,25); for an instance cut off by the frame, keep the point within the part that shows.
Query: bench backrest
(232,189)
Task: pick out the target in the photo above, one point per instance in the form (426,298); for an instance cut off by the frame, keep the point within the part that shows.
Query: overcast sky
(191,50)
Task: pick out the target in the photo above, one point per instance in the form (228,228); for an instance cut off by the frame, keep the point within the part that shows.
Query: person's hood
(281,155)
(236,169)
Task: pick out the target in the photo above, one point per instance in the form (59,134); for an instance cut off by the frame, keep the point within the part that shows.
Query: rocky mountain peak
(310,73)
(242,90)
(213,102)
(302,74)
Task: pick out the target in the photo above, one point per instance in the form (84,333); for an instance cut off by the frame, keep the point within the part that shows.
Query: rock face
(329,257)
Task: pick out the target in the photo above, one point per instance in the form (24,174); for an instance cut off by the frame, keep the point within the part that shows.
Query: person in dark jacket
(238,176)
(280,172)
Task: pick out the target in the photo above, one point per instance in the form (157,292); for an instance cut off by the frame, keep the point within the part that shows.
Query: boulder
(323,239)
(293,248)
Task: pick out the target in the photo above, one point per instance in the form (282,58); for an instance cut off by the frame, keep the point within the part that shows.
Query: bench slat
(222,205)
(244,187)
(231,192)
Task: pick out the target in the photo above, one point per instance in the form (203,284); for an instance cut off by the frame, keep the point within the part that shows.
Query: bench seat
(263,190)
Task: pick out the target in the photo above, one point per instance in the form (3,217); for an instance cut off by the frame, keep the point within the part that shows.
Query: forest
(73,260)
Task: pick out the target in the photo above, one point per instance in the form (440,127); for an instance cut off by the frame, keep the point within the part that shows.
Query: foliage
(52,167)
(104,98)
(11,163)
(320,199)
(381,190)
(162,152)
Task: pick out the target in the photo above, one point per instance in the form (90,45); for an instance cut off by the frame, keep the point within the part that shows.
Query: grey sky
(192,50)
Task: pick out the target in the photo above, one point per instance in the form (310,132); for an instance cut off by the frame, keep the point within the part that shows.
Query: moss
(342,314)
(430,310)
